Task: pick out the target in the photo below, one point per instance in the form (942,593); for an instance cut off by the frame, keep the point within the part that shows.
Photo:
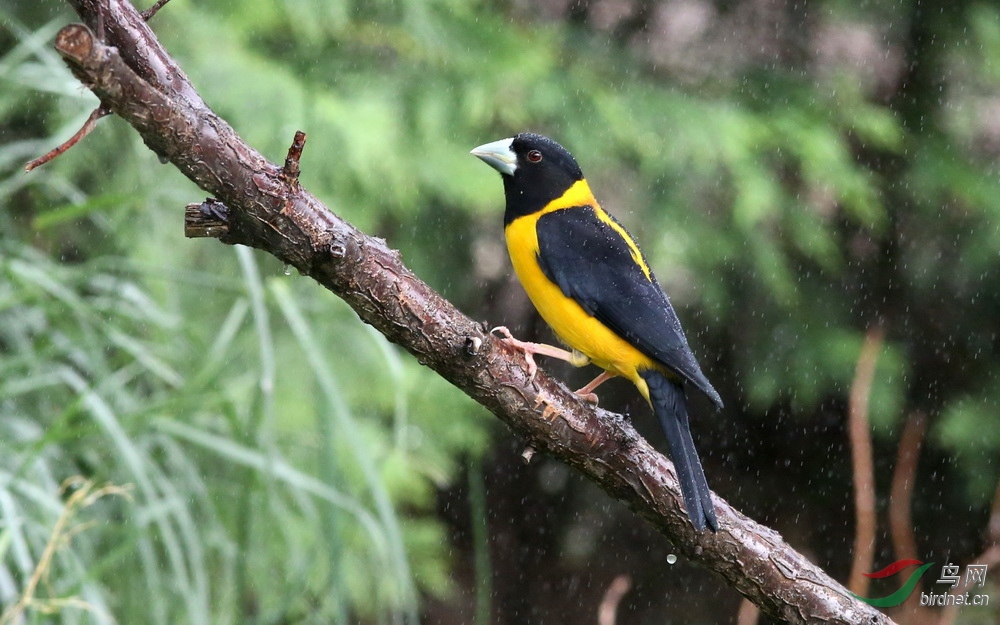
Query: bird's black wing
(593,264)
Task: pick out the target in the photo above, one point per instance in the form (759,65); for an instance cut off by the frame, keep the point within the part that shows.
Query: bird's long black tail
(667,398)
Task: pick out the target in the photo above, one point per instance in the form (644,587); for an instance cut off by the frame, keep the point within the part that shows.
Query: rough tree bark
(135,78)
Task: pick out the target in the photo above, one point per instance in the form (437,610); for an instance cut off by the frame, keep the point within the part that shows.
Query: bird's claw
(522,347)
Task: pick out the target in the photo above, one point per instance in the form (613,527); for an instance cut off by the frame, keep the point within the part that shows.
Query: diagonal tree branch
(135,78)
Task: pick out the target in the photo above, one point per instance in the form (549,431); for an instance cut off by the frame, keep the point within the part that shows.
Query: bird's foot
(541,349)
(522,346)
(587,392)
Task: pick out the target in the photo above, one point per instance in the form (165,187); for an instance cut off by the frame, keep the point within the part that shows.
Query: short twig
(151,11)
(210,219)
(290,172)
(84,130)
(528,454)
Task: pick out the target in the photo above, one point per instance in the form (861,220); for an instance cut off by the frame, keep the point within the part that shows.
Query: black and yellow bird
(589,281)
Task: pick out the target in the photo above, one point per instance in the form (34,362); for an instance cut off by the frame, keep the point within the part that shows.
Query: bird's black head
(535,171)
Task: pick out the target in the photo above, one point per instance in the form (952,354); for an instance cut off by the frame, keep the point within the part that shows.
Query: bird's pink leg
(587,392)
(529,349)
(574,358)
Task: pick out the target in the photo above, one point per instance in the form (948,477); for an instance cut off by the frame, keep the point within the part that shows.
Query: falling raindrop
(672,559)
(287,269)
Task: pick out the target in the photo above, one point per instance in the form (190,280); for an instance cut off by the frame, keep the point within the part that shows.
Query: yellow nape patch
(577,195)
(580,195)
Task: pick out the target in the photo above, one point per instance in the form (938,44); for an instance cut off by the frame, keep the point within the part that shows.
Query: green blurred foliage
(285,460)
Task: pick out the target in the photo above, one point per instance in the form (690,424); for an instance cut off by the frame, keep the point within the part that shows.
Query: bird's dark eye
(534,156)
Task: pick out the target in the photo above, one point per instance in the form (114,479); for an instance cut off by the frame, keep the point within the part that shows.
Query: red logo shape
(892,569)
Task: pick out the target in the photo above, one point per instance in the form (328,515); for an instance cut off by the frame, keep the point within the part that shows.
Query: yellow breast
(568,320)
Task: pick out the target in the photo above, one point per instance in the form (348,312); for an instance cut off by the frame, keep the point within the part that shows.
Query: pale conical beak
(498,155)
